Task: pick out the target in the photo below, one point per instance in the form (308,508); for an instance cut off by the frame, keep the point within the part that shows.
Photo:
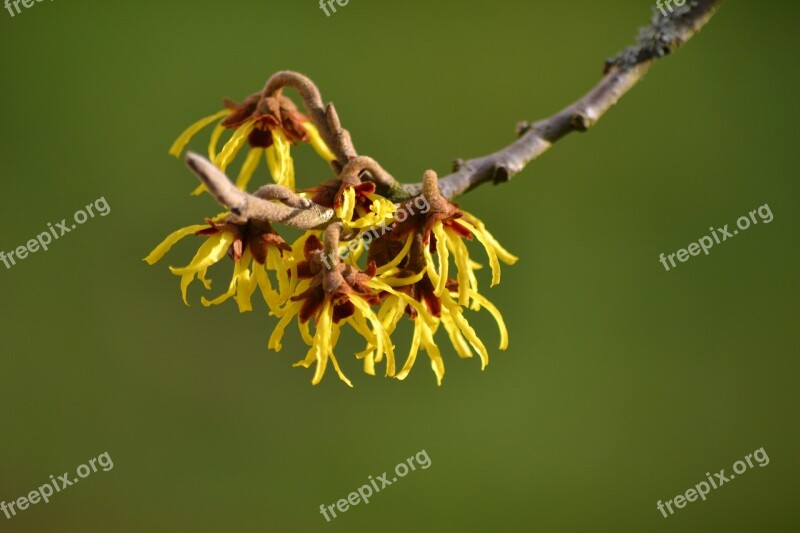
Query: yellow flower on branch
(366,260)
(253,249)
(350,303)
(269,126)
(419,283)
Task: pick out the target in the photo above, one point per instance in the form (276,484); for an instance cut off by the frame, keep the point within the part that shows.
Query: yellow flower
(269,130)
(348,303)
(421,286)
(360,209)
(254,250)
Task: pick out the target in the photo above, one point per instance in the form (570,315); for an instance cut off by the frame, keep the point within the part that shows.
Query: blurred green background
(623,384)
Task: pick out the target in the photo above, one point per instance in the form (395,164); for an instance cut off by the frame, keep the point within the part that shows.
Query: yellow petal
(368,356)
(390,313)
(234,144)
(345,211)
(283,165)
(242,285)
(270,296)
(208,254)
(322,338)
(384,344)
(421,309)
(463,325)
(305,333)
(437,364)
(298,246)
(334,339)
(490,250)
(275,262)
(219,129)
(444,258)
(214,249)
(224,296)
(400,256)
(201,277)
(272,163)
(339,370)
(502,253)
(412,353)
(184,138)
(465,275)
(380,212)
(359,323)
(165,246)
(280,328)
(497,317)
(456,338)
(317,143)
(294,257)
(430,267)
(381,206)
(248,168)
(393,281)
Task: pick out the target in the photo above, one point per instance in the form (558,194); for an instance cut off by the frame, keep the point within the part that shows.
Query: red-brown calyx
(257,236)
(337,283)
(331,192)
(268,113)
(420,226)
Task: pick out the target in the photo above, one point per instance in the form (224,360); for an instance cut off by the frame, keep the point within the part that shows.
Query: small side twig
(250,207)
(283,194)
(353,169)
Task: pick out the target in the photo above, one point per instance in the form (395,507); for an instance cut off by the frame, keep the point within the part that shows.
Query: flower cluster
(414,263)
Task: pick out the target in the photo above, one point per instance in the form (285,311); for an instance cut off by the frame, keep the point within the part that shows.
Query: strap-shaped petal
(165,246)
(317,143)
(490,250)
(184,138)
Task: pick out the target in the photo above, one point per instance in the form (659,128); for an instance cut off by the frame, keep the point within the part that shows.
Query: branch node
(500,175)
(581,121)
(523,127)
